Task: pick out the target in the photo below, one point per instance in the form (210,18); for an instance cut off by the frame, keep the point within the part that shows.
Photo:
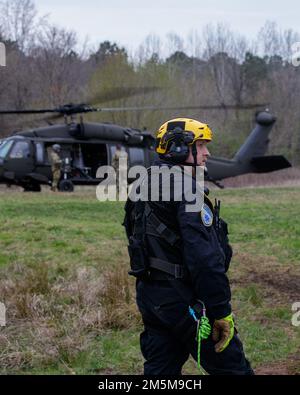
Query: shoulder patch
(206,215)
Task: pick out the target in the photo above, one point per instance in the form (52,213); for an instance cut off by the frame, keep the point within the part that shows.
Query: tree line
(47,67)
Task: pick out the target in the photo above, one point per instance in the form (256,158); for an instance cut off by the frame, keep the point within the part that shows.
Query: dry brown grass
(118,301)
(51,317)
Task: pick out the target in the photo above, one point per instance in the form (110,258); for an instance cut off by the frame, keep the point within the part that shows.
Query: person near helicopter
(119,162)
(56,163)
(180,259)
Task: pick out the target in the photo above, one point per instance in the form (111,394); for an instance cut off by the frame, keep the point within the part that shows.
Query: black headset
(178,142)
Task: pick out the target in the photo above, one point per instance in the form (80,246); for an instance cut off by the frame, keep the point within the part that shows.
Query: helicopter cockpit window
(4,148)
(20,150)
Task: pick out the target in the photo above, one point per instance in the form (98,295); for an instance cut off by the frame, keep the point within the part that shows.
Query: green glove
(223,331)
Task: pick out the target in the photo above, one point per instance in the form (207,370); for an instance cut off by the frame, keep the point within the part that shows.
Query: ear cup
(178,152)
(177,141)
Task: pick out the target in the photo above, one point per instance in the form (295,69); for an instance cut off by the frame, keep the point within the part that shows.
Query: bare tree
(19,21)
(57,64)
(215,51)
(151,47)
(194,44)
(271,40)
(174,43)
(225,52)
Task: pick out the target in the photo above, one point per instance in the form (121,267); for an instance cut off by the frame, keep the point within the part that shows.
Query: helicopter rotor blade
(67,109)
(27,111)
(121,93)
(207,107)
(71,109)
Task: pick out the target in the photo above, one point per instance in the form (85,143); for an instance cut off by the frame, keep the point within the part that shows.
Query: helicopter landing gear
(32,187)
(66,186)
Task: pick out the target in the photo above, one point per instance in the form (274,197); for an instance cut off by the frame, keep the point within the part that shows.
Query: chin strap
(194,152)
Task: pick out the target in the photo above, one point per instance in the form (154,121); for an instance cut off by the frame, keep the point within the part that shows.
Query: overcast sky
(128,22)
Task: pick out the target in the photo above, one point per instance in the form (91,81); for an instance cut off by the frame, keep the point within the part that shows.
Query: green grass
(70,304)
(265,220)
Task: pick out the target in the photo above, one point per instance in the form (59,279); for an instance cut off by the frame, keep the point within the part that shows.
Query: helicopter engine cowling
(89,130)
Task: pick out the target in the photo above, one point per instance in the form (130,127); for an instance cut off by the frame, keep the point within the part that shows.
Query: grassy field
(70,303)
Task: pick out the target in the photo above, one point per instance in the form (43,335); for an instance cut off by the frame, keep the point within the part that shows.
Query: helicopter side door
(20,160)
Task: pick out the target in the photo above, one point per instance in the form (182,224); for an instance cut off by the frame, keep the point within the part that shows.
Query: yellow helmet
(175,136)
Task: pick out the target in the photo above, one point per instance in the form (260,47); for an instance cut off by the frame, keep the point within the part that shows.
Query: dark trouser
(169,337)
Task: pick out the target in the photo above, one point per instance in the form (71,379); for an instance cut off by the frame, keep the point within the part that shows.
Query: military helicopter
(86,145)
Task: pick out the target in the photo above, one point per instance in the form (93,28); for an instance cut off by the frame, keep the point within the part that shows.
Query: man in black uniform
(180,259)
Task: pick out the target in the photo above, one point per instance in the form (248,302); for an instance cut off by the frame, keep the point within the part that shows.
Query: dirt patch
(290,366)
(281,178)
(277,281)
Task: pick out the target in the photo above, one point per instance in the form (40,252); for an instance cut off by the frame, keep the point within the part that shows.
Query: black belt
(177,276)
